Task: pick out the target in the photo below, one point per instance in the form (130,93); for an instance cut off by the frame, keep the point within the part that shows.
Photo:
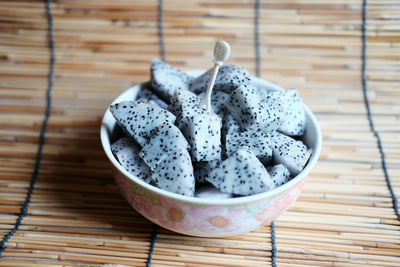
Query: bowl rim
(108,121)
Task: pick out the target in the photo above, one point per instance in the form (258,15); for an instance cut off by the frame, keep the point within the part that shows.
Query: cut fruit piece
(175,173)
(204,136)
(241,174)
(165,79)
(166,139)
(126,151)
(279,174)
(139,120)
(228,79)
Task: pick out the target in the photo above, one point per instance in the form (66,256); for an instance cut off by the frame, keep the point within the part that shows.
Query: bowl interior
(110,132)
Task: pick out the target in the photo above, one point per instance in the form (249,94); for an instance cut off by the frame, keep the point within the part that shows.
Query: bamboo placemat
(76,215)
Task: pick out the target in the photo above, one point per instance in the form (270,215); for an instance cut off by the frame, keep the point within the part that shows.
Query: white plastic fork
(222,51)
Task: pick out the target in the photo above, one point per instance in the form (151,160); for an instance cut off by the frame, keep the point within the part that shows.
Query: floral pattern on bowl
(205,220)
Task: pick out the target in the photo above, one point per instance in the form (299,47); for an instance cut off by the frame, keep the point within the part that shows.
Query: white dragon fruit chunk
(259,143)
(295,120)
(229,126)
(126,151)
(165,79)
(175,173)
(241,174)
(291,153)
(253,111)
(228,79)
(146,95)
(185,104)
(203,168)
(210,192)
(218,99)
(166,139)
(139,120)
(279,174)
(204,136)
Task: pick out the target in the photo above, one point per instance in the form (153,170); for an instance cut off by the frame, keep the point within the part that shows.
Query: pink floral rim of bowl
(205,220)
(208,217)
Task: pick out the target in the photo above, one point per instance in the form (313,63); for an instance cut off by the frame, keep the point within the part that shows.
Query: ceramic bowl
(207,217)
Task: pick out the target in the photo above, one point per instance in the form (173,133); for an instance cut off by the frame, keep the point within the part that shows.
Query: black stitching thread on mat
(257,37)
(153,242)
(367,105)
(274,251)
(42,132)
(160,27)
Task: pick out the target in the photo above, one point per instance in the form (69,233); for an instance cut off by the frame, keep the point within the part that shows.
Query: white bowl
(207,217)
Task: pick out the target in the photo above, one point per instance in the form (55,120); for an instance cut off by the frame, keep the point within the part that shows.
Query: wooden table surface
(76,216)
